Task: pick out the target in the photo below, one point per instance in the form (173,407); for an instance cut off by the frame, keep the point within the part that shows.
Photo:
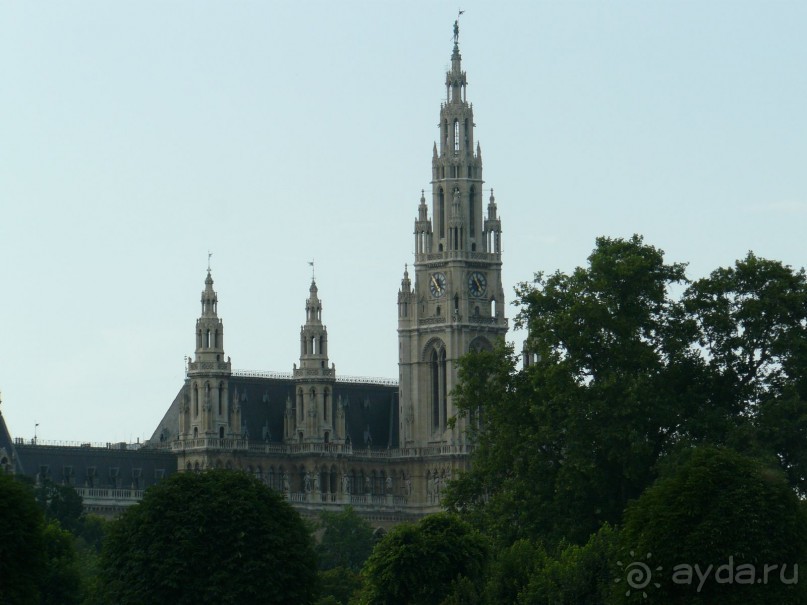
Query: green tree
(22,555)
(752,327)
(423,564)
(626,375)
(61,582)
(88,547)
(579,575)
(716,508)
(346,541)
(511,569)
(218,537)
(338,585)
(563,446)
(62,503)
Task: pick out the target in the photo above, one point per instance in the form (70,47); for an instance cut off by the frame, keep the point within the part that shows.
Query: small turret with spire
(206,410)
(314,380)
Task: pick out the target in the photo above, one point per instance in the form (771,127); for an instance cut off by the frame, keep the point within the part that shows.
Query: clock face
(437,284)
(477,284)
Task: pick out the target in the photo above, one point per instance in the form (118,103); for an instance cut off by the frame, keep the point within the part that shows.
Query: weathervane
(311,264)
(209,254)
(457,27)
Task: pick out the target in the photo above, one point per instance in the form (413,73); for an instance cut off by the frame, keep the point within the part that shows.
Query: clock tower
(457,302)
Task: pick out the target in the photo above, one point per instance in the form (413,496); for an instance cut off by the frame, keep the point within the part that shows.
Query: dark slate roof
(112,466)
(371,410)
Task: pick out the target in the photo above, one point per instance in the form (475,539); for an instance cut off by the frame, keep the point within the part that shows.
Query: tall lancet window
(471,217)
(441,213)
(434,370)
(456,135)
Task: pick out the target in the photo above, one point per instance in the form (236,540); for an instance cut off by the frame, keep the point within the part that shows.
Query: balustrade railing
(202,443)
(100,493)
(389,382)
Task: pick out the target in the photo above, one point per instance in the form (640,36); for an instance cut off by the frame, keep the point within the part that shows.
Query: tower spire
(313,415)
(453,304)
(205,410)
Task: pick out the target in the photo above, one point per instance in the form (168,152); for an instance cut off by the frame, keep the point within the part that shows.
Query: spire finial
(311,264)
(209,255)
(457,27)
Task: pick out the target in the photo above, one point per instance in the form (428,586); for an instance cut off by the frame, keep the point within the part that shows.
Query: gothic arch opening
(441,212)
(471,217)
(435,356)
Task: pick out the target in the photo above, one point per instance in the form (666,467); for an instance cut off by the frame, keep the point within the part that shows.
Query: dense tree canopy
(22,556)
(346,540)
(217,537)
(625,374)
(718,508)
(423,564)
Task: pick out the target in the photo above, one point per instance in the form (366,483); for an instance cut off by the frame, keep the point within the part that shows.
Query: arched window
(221,432)
(471,217)
(443,389)
(441,212)
(300,406)
(434,372)
(456,135)
(325,404)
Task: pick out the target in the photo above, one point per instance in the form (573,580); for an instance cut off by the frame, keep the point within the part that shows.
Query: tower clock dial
(477,284)
(437,284)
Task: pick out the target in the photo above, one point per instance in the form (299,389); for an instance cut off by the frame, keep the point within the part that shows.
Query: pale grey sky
(136,136)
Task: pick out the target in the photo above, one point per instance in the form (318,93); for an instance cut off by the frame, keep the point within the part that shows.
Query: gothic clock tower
(457,303)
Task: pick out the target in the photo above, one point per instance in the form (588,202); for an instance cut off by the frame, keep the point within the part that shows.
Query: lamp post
(36,425)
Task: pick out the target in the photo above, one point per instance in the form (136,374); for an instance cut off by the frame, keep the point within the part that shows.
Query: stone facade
(323,440)
(322,457)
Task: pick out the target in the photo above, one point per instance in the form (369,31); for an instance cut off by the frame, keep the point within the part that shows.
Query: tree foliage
(424,564)
(61,582)
(346,541)
(215,537)
(717,507)
(752,326)
(22,556)
(577,575)
(625,374)
(61,503)
(338,586)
